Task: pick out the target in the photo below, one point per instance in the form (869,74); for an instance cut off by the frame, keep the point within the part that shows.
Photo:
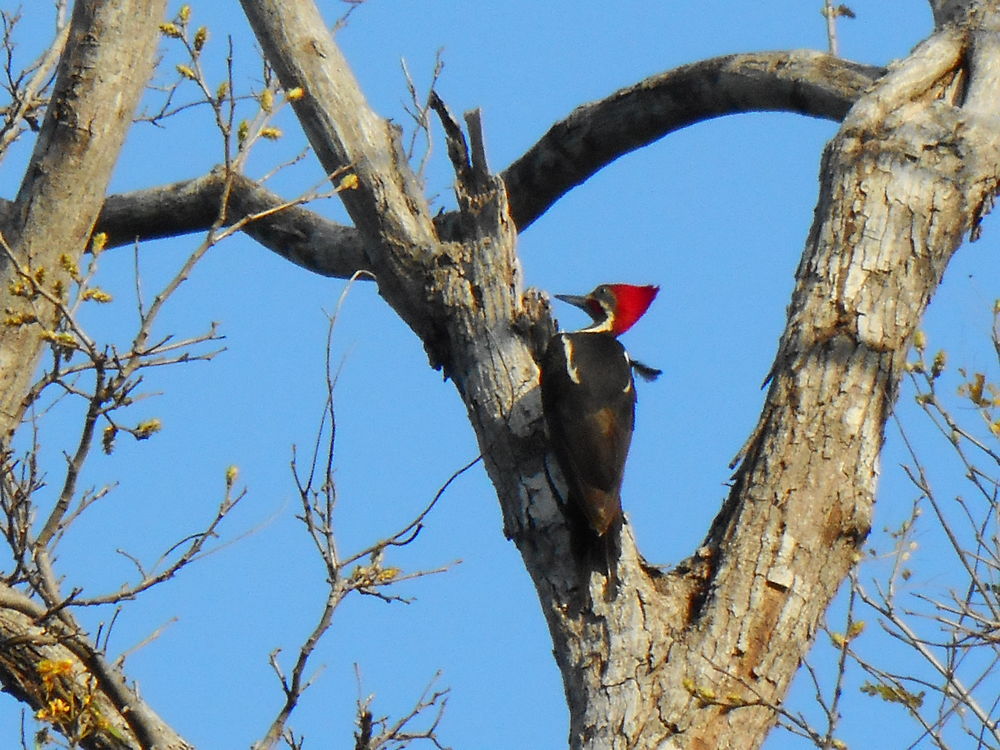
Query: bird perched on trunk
(588,398)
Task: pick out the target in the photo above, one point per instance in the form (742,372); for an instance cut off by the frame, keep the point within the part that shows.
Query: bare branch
(593,136)
(318,497)
(596,134)
(419,111)
(299,235)
(953,636)
(28,99)
(381,734)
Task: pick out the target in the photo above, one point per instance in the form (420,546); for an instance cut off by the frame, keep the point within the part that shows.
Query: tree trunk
(698,657)
(103,72)
(107,61)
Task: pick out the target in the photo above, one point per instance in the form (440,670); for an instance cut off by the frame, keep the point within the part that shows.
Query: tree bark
(571,151)
(698,657)
(802,81)
(912,169)
(896,198)
(107,61)
(295,233)
(575,148)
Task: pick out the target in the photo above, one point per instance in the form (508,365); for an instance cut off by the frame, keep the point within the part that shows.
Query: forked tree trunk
(695,657)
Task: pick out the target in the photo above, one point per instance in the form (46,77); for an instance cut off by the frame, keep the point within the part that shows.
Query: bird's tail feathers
(599,553)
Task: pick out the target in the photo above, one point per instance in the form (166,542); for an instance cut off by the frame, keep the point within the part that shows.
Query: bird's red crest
(632,303)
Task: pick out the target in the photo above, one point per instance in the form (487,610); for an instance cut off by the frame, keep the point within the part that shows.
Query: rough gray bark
(572,150)
(120,719)
(295,233)
(108,59)
(696,657)
(911,171)
(101,77)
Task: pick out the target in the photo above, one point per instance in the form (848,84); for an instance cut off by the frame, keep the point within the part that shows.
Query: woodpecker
(588,399)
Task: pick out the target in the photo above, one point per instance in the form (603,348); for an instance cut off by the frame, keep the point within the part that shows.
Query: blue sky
(716,214)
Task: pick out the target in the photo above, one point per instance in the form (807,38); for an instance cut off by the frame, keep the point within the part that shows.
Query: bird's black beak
(575,299)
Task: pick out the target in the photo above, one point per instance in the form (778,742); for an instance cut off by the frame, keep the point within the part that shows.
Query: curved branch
(594,135)
(297,234)
(293,232)
(591,137)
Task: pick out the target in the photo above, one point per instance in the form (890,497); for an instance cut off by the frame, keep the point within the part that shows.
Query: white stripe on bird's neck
(603,326)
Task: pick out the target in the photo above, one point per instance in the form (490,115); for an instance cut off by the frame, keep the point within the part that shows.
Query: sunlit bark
(697,657)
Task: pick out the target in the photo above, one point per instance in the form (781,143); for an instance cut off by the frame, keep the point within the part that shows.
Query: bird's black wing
(590,416)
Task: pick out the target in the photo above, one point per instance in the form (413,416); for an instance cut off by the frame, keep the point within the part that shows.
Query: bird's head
(614,307)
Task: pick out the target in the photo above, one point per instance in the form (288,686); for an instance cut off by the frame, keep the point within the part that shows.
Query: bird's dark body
(588,397)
